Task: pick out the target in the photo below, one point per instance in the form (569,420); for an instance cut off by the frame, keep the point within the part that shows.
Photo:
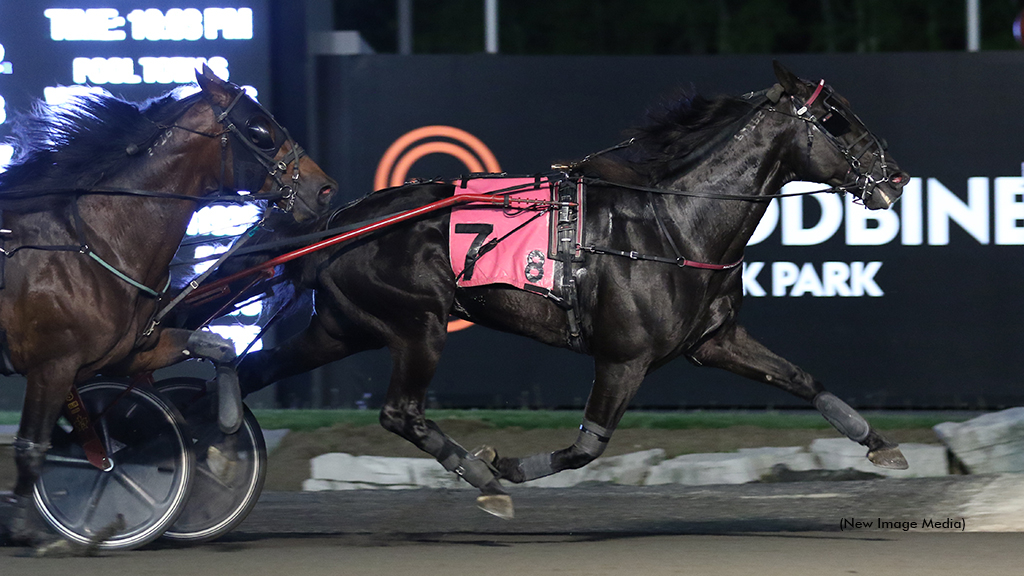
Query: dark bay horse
(693,184)
(93,211)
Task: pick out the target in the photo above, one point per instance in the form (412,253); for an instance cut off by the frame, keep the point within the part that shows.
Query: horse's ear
(214,89)
(787,79)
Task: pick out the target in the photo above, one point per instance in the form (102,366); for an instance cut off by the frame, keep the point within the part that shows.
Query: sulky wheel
(150,474)
(225,489)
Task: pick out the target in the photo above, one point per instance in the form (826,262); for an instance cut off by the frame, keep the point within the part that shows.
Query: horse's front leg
(735,350)
(615,384)
(413,365)
(47,388)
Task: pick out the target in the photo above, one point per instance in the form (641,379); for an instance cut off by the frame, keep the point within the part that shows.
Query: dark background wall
(946,331)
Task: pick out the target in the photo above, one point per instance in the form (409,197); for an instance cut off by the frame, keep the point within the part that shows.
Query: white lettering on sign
(842,279)
(231,23)
(98,24)
(180,70)
(5,67)
(104,71)
(991,213)
(944,206)
(177,24)
(869,227)
(162,70)
(1009,211)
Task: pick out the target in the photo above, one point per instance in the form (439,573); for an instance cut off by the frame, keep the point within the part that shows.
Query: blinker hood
(253,160)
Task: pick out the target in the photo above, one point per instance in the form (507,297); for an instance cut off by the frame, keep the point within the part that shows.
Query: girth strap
(566,240)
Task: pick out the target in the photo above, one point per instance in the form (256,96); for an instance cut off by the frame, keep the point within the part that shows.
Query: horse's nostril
(326,191)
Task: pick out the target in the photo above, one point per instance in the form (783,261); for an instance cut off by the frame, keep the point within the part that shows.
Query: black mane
(80,144)
(671,134)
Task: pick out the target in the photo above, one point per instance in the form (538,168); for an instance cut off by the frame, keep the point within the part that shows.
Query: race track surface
(792,529)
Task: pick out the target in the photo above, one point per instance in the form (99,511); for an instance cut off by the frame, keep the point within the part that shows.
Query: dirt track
(765,529)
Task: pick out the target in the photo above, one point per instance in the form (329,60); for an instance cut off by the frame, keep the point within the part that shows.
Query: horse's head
(264,158)
(841,150)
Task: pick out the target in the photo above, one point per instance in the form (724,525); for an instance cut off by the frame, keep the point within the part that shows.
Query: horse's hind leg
(615,384)
(315,346)
(413,365)
(736,351)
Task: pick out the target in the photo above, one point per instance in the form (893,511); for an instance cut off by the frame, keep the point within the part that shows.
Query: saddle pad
(521,258)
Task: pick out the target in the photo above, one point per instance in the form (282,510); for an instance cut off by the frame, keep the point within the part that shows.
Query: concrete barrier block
(792,457)
(629,469)
(989,443)
(341,467)
(925,460)
(697,469)
(429,473)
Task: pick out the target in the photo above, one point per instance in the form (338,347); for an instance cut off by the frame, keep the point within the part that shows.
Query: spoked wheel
(147,485)
(226,488)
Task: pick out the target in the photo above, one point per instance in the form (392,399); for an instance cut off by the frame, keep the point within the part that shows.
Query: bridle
(259,144)
(836,123)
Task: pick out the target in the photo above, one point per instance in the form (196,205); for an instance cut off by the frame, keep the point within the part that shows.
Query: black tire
(215,506)
(148,485)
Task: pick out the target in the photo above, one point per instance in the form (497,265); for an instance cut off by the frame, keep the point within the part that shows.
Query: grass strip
(533,419)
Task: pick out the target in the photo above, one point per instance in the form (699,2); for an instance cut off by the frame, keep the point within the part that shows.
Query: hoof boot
(888,457)
(222,464)
(498,504)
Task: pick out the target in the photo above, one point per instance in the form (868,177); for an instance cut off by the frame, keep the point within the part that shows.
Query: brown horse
(93,211)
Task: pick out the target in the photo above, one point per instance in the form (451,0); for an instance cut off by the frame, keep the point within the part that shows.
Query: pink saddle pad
(520,257)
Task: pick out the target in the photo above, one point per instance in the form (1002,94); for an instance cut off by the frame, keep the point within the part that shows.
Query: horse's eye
(260,132)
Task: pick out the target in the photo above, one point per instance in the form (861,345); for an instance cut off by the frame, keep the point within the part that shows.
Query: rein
(15,195)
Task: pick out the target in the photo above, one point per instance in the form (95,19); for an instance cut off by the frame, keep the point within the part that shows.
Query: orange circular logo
(415,144)
(407,149)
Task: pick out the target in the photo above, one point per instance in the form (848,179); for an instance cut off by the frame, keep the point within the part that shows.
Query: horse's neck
(141,234)
(754,165)
(149,229)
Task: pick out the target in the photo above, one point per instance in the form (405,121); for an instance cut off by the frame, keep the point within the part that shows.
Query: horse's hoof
(486,453)
(58,548)
(888,457)
(221,463)
(498,504)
